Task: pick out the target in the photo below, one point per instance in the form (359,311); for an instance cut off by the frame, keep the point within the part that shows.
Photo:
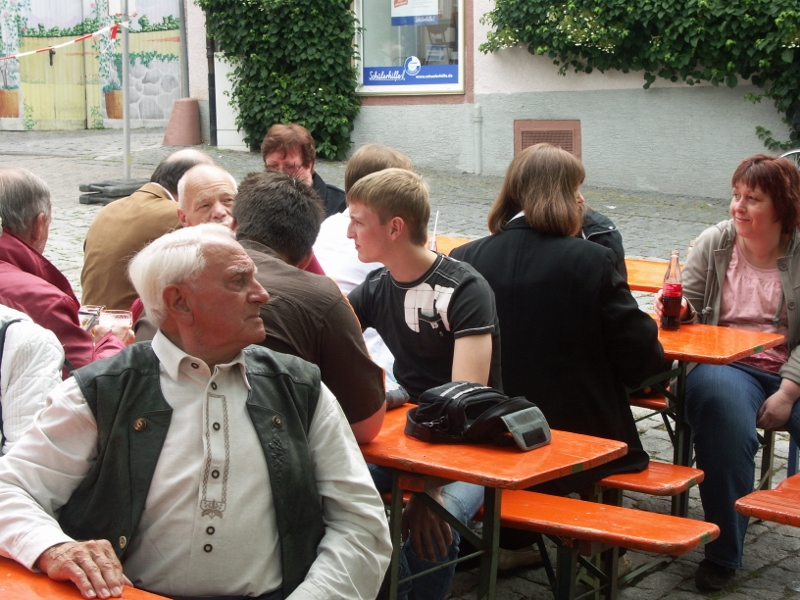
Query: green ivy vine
(719,41)
(293,62)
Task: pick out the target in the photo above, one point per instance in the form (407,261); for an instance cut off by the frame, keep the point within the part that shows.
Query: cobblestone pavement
(651,224)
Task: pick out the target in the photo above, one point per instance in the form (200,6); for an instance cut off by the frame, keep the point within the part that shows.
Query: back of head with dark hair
(289,138)
(542,180)
(370,158)
(279,211)
(170,170)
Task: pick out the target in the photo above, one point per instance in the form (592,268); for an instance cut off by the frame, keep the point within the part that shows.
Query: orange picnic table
(706,344)
(418,466)
(445,244)
(643,275)
(18,583)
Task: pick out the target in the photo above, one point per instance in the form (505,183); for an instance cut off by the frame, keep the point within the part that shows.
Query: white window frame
(398,75)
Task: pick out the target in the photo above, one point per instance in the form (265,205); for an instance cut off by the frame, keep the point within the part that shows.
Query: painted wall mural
(79,85)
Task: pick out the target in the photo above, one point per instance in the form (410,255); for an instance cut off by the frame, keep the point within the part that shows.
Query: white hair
(195,170)
(174,258)
(23,197)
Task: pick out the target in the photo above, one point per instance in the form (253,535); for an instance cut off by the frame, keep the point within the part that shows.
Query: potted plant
(12,24)
(9,92)
(110,62)
(111,73)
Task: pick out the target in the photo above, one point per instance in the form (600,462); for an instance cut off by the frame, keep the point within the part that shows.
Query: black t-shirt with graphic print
(420,320)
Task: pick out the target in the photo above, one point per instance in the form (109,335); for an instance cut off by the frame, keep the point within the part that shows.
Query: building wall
(672,138)
(197,62)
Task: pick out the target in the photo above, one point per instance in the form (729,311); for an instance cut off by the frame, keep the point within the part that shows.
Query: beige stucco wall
(517,70)
(197,61)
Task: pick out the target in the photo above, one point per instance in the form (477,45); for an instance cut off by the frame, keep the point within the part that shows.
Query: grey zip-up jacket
(704,274)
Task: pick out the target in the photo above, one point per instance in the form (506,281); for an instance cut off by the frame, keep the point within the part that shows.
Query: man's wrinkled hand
(92,566)
(124,333)
(428,531)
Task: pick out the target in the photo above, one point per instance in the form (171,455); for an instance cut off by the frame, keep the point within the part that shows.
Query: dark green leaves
(718,41)
(295,63)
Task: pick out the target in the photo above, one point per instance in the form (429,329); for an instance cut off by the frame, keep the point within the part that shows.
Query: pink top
(751,298)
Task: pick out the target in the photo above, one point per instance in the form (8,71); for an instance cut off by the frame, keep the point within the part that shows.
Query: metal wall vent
(564,134)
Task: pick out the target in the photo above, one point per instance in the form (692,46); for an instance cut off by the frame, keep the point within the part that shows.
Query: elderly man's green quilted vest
(132,422)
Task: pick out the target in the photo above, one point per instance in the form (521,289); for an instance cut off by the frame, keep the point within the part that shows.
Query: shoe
(711,577)
(624,566)
(508,560)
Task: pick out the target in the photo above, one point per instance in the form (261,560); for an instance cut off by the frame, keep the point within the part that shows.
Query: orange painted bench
(605,524)
(18,583)
(658,479)
(654,401)
(586,528)
(781,505)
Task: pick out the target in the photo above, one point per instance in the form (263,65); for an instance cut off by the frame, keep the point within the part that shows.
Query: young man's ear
(396,227)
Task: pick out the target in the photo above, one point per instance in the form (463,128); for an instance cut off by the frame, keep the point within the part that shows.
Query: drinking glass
(115,318)
(87,314)
(432,243)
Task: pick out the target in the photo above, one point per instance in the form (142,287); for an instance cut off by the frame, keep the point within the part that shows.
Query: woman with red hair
(745,273)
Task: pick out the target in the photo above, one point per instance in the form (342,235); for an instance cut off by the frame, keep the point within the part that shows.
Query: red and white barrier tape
(112,28)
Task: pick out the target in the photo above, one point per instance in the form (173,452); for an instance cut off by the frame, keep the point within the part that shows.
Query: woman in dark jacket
(572,336)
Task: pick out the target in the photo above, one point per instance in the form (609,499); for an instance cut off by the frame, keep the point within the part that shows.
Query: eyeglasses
(288,168)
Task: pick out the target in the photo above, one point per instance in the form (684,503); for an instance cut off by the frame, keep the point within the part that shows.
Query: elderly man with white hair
(206,194)
(202,467)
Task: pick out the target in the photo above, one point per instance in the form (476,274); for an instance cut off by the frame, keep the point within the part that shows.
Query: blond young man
(437,316)
(338,256)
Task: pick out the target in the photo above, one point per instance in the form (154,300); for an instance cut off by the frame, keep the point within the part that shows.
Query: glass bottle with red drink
(672,295)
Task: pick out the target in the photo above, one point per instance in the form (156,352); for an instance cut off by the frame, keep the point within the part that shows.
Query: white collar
(166,191)
(173,359)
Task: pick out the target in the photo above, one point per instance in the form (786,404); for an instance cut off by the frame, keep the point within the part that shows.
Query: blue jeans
(722,403)
(462,500)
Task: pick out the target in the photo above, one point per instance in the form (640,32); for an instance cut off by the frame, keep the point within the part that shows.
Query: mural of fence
(79,86)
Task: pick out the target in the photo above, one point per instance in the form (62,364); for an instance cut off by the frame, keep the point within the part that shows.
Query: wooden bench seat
(586,528)
(604,524)
(652,401)
(781,505)
(658,479)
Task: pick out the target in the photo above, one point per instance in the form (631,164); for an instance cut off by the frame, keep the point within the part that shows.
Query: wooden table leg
(396,521)
(487,580)
(683,440)
(566,571)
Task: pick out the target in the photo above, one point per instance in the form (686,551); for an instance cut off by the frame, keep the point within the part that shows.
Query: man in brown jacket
(126,226)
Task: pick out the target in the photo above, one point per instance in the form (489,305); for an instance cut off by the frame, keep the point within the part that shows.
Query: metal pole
(212,90)
(184,50)
(126,111)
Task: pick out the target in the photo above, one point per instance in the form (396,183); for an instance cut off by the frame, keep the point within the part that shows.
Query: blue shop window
(410,46)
